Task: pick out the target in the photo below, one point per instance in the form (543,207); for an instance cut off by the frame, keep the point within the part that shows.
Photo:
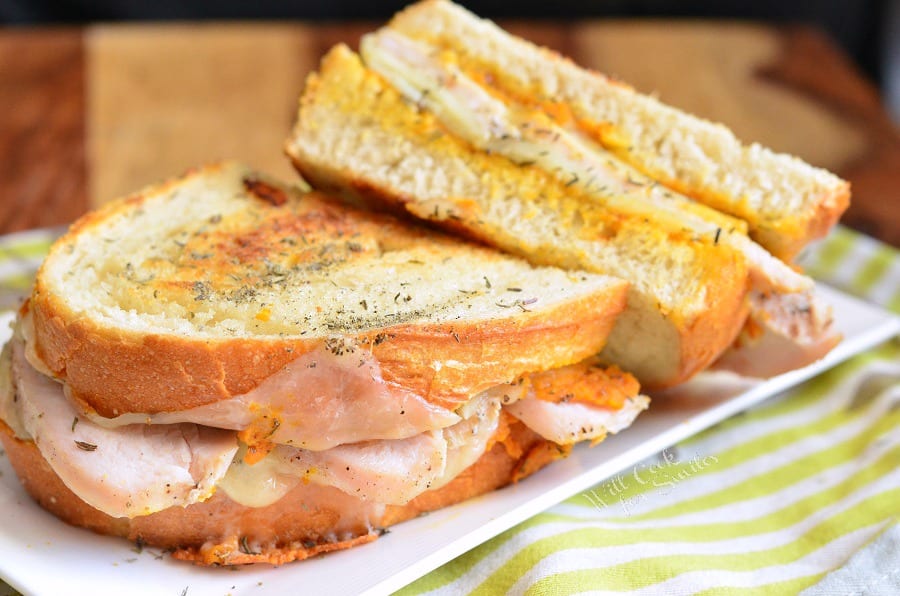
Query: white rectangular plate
(41,555)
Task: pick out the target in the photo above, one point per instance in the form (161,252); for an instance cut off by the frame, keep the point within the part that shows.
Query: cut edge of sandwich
(687,299)
(787,202)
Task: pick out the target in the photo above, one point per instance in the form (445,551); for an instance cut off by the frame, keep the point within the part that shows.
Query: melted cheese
(588,382)
(468,440)
(261,483)
(387,471)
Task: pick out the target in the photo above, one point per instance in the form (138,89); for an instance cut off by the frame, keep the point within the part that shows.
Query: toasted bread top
(199,288)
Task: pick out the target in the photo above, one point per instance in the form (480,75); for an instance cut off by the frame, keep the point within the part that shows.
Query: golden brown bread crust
(131,372)
(309,520)
(114,370)
(784,238)
(702,341)
(827,213)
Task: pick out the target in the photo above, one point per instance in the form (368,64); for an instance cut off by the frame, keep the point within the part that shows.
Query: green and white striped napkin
(801,493)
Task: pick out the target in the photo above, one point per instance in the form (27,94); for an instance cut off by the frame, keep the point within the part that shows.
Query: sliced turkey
(784,332)
(386,471)
(391,472)
(324,398)
(569,422)
(124,472)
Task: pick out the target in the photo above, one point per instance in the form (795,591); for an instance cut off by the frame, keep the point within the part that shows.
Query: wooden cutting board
(100,112)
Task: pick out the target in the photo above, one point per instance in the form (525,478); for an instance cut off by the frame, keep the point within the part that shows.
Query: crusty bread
(786,202)
(198,289)
(356,135)
(309,520)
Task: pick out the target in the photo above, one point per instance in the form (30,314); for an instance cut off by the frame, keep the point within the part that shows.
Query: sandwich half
(240,371)
(446,117)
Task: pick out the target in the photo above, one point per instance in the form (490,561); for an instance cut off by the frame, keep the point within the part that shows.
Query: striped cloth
(801,493)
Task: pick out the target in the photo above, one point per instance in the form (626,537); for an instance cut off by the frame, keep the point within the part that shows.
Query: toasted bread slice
(201,288)
(356,134)
(786,202)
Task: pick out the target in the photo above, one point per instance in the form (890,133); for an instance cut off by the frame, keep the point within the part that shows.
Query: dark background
(859,26)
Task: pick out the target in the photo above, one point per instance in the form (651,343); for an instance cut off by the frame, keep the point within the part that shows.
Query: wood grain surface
(42,128)
(95,113)
(161,99)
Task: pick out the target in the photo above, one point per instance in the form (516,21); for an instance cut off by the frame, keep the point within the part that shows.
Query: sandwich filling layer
(345,400)
(135,470)
(140,468)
